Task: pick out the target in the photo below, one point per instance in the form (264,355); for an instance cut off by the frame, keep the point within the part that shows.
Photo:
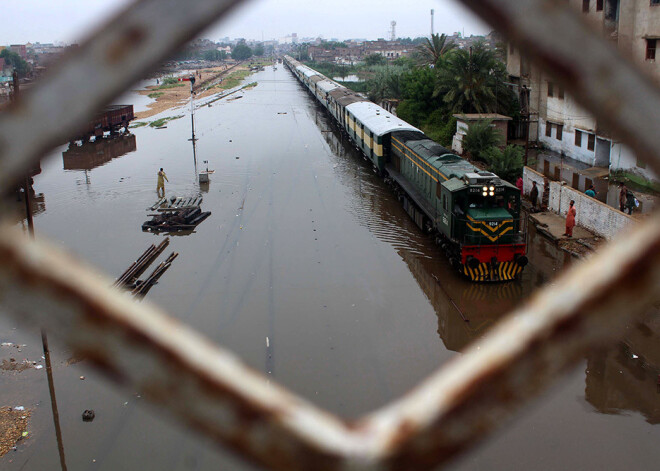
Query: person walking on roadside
(534,195)
(570,219)
(591,192)
(161,182)
(519,184)
(623,197)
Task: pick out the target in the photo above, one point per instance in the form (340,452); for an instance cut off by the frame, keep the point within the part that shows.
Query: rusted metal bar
(105,65)
(552,33)
(587,307)
(202,385)
(209,389)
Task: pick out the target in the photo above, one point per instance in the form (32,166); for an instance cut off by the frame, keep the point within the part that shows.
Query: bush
(507,164)
(412,112)
(480,137)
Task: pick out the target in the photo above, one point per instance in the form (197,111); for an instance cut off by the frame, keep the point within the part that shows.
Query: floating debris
(88,415)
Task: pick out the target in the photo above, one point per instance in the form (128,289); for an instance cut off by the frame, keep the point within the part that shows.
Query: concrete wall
(601,219)
(530,175)
(598,217)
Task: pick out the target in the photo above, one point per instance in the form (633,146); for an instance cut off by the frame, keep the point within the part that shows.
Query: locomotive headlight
(492,188)
(485,189)
(485,193)
(492,193)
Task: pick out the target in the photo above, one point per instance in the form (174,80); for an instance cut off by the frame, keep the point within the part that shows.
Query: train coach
(474,215)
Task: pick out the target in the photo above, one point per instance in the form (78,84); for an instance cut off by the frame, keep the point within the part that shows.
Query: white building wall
(623,159)
(566,145)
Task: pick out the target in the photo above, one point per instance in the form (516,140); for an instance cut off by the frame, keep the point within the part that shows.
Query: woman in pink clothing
(570,219)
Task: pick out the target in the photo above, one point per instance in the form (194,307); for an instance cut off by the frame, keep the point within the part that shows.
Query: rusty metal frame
(451,410)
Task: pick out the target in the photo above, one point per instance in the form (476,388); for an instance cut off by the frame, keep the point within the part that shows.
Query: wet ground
(307,248)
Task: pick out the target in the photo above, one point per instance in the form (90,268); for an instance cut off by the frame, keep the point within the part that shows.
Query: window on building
(585,6)
(578,138)
(560,130)
(560,92)
(650,49)
(655,2)
(548,129)
(599,5)
(550,88)
(591,142)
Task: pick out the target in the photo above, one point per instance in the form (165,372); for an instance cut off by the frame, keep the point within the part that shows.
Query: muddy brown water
(307,248)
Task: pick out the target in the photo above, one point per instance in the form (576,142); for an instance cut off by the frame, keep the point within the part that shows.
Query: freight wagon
(111,119)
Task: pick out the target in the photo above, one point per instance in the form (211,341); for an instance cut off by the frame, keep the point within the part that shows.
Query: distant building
(20,49)
(557,121)
(356,51)
(463,120)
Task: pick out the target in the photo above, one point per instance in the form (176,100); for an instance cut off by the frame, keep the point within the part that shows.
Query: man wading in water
(161,182)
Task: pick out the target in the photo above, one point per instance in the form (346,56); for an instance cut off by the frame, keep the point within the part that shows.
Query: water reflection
(464,309)
(627,376)
(92,154)
(621,378)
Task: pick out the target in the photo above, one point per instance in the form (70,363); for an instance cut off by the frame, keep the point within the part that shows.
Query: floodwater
(307,248)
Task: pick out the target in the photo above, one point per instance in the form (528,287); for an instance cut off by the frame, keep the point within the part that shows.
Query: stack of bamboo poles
(130,278)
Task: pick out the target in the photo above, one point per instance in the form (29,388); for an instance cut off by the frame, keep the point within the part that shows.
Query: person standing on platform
(534,195)
(161,182)
(519,184)
(570,219)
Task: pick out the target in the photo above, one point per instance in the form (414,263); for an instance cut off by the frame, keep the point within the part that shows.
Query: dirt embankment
(207,82)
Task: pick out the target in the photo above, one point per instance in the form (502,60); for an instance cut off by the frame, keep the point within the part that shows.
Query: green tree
(214,55)
(430,51)
(507,164)
(259,50)
(375,59)
(472,81)
(21,67)
(302,53)
(480,137)
(241,52)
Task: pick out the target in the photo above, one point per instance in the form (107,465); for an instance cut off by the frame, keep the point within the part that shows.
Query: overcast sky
(67,21)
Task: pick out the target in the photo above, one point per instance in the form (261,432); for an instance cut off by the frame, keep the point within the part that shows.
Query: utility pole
(26,180)
(44,338)
(192,107)
(432,11)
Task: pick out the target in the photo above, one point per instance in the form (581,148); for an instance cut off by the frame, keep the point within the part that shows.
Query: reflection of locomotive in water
(475,214)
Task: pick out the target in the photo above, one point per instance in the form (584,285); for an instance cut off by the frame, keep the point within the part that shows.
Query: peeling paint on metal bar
(553,33)
(207,388)
(105,65)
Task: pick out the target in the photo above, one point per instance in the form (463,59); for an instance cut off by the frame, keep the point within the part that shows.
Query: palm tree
(431,50)
(470,81)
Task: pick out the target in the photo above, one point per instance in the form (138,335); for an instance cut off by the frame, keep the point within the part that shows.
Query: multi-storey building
(633,27)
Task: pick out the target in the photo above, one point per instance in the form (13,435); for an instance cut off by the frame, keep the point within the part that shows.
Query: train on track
(474,215)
